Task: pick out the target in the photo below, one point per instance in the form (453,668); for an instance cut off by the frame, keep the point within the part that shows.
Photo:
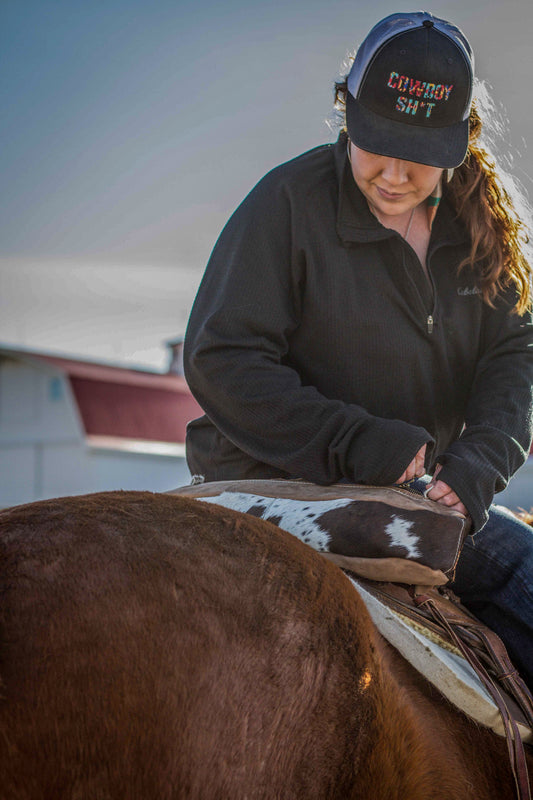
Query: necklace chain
(410,222)
(408,229)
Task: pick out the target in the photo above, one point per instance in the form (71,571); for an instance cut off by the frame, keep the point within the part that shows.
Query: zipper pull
(430,324)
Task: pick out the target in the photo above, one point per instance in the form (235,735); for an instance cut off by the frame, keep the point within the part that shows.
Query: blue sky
(130,130)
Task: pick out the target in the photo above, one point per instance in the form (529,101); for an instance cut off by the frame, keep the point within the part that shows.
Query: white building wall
(37,415)
(17,474)
(44,452)
(149,472)
(37,471)
(36,404)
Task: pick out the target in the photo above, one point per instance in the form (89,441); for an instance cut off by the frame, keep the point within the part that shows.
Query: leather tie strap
(507,674)
(515,746)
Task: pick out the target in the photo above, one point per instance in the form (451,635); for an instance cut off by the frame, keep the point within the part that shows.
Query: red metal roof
(137,412)
(129,403)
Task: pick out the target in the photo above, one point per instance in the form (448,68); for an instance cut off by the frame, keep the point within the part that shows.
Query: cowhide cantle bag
(380,533)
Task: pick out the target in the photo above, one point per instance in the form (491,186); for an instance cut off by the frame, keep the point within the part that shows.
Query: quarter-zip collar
(355,221)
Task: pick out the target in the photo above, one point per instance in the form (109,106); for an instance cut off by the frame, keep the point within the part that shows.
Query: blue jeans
(494,579)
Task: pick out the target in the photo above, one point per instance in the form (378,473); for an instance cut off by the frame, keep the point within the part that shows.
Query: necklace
(409,223)
(408,229)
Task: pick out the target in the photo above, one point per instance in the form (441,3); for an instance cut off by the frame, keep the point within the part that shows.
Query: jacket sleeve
(496,437)
(238,363)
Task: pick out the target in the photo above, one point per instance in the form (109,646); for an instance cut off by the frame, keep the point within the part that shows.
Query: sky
(131,129)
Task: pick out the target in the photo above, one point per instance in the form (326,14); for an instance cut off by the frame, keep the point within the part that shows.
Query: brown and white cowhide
(323,525)
(382,533)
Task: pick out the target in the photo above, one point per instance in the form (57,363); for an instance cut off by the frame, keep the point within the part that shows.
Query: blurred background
(129,132)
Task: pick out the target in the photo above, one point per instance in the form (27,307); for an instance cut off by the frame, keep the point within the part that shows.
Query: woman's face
(390,185)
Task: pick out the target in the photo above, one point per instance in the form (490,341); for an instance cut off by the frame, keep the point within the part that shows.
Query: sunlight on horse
(159,648)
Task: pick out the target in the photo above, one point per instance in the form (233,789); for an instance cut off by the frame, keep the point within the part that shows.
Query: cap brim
(438,147)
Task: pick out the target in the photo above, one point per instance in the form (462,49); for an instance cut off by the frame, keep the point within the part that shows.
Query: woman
(352,325)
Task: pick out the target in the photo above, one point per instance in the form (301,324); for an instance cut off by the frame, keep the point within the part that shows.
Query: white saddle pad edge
(450,673)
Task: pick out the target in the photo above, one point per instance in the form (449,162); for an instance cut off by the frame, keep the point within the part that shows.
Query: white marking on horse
(399,531)
(298,517)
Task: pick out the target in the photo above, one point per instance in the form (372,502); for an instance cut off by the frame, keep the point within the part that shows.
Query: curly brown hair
(488,211)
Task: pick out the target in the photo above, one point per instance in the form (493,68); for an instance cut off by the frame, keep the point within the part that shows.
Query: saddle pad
(380,533)
(447,670)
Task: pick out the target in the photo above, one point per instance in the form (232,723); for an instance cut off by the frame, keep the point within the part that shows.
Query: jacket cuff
(464,486)
(382,449)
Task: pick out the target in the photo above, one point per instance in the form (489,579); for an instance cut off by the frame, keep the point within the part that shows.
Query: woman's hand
(441,493)
(416,468)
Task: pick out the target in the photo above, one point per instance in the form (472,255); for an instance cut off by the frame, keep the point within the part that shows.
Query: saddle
(439,616)
(380,533)
(399,549)
(437,623)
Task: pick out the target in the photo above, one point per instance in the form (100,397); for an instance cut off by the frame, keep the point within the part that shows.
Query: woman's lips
(389,195)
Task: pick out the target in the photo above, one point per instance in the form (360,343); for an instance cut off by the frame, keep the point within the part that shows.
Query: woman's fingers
(460,507)
(440,492)
(416,468)
(420,458)
(404,476)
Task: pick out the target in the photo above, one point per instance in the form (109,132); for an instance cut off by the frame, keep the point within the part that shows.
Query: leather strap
(507,674)
(485,644)
(515,746)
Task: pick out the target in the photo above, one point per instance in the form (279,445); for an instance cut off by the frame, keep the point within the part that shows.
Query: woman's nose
(394,171)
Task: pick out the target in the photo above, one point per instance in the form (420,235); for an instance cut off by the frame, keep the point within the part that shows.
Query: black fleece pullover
(319,348)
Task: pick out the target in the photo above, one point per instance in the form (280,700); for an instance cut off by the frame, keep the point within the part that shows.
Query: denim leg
(494,579)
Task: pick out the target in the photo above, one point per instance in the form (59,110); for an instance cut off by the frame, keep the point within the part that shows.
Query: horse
(155,646)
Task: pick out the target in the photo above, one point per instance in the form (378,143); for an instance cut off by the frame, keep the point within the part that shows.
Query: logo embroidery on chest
(467,291)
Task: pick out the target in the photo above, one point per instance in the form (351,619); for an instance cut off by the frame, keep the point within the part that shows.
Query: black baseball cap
(410,90)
